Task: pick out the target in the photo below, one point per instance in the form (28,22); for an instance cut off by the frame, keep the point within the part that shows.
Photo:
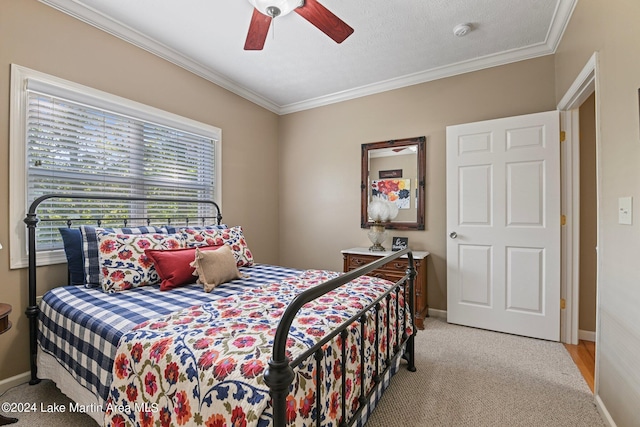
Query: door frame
(583,86)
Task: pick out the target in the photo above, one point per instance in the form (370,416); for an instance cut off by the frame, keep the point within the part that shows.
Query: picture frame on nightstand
(399,243)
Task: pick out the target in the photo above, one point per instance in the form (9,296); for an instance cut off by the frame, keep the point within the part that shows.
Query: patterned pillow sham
(123,262)
(90,249)
(180,228)
(233,237)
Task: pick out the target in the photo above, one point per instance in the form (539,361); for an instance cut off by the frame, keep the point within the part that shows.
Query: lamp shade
(380,209)
(275,8)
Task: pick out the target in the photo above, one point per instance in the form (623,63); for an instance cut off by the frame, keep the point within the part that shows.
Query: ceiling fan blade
(324,20)
(258,30)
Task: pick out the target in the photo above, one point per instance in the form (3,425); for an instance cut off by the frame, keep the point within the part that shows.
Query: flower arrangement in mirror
(380,211)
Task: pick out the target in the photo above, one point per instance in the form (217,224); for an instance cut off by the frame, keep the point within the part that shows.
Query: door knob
(453,234)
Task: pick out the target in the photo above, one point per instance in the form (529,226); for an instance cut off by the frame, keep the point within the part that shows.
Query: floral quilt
(204,365)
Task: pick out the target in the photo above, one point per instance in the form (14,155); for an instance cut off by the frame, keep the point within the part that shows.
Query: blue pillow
(72,240)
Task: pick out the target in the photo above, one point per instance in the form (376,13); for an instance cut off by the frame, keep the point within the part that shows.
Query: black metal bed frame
(279,375)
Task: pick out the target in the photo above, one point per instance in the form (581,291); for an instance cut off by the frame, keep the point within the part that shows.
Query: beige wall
(39,37)
(611,28)
(320,159)
(588,216)
(307,198)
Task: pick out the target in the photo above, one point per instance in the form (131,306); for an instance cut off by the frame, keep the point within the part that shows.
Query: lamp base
(377,248)
(377,234)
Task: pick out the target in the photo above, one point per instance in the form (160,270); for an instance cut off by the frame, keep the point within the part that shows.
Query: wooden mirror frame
(364,182)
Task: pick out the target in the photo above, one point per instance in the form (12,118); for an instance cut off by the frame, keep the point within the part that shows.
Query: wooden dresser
(394,271)
(5,324)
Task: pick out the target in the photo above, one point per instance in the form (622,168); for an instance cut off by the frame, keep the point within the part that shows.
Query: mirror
(395,170)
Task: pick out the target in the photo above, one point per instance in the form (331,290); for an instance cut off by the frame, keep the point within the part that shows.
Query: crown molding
(561,17)
(477,64)
(99,20)
(559,23)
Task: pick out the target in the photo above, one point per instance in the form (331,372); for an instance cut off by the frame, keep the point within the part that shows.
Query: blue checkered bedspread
(81,327)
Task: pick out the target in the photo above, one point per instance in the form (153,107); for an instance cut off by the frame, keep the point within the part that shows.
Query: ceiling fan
(318,15)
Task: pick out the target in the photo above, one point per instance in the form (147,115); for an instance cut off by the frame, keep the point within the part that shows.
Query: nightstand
(394,271)
(5,325)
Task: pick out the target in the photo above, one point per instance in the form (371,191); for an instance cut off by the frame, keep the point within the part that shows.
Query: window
(67,138)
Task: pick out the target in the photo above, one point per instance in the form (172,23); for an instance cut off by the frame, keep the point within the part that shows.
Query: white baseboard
(583,335)
(602,409)
(586,335)
(11,382)
(440,314)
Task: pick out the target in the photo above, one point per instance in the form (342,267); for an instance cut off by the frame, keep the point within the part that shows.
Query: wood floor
(584,356)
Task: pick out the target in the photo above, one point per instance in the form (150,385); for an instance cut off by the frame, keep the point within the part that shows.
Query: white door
(503,225)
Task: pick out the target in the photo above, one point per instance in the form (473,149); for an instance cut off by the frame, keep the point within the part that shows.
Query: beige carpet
(465,377)
(471,377)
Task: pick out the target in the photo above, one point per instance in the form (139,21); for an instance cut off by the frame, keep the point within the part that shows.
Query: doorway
(583,353)
(580,188)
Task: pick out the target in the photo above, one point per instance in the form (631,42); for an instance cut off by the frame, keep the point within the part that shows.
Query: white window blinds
(73,147)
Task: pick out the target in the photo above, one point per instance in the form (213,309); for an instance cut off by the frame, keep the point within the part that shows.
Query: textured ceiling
(395,43)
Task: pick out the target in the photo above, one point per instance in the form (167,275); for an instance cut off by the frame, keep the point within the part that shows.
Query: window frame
(21,79)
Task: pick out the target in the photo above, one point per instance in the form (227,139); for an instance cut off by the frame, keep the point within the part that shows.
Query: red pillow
(173,265)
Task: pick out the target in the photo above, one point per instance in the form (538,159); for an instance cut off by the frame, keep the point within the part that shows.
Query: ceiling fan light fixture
(311,10)
(275,8)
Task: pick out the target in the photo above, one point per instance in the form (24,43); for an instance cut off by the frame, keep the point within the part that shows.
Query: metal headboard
(32,220)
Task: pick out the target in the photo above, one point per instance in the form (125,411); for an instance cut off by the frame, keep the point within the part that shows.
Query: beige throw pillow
(215,267)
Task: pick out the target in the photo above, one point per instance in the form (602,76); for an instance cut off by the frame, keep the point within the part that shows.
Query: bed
(272,346)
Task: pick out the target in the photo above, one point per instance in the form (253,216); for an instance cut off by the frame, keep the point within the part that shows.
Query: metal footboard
(280,373)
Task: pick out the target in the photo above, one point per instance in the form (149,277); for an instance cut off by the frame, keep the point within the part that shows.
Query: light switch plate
(625,210)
